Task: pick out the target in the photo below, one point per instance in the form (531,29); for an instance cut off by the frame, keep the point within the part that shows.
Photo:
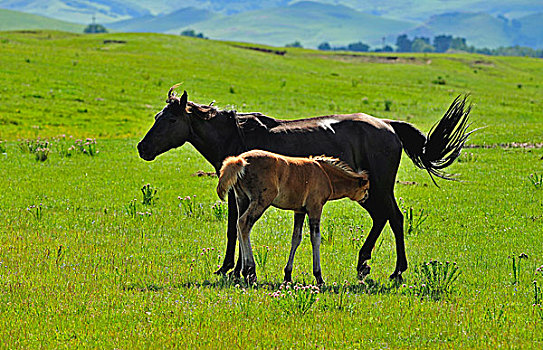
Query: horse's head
(170,130)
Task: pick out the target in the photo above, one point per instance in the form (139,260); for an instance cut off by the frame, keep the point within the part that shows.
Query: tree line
(440,43)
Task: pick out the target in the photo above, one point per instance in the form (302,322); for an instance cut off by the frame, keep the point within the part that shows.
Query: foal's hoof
(363,272)
(234,275)
(251,279)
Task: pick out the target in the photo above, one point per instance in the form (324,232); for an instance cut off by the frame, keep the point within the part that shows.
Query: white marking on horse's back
(326,124)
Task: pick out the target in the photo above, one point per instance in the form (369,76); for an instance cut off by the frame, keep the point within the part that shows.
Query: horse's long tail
(443,144)
(232,169)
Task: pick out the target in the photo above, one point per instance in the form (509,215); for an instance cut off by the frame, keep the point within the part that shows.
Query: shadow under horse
(362,141)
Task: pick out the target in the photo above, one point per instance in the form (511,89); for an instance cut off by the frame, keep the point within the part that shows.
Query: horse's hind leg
(382,211)
(396,223)
(378,215)
(296,239)
(242,203)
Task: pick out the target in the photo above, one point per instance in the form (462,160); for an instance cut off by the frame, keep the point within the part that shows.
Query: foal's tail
(232,168)
(443,144)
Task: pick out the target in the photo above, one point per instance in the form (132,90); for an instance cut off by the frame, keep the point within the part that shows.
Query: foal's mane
(338,164)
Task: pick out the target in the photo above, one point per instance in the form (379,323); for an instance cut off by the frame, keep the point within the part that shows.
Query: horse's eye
(172,120)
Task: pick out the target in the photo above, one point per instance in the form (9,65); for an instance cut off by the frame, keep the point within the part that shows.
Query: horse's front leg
(231,233)
(296,239)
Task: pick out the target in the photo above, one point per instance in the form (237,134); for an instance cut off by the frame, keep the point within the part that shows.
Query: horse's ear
(184,99)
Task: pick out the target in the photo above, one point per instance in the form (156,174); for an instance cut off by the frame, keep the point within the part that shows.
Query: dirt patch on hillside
(389,59)
(261,49)
(525,145)
(201,173)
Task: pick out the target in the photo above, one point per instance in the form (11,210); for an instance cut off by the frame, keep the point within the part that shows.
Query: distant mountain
(164,23)
(484,30)
(15,20)
(530,30)
(311,23)
(412,10)
(278,22)
(78,11)
(421,10)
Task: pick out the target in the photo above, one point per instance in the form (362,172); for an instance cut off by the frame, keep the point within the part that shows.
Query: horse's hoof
(220,272)
(223,270)
(363,272)
(396,276)
(320,283)
(288,277)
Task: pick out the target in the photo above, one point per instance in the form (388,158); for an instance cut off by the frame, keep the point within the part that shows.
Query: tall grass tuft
(536,180)
(297,299)
(220,210)
(434,279)
(149,195)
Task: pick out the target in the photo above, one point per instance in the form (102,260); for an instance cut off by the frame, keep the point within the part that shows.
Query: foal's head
(362,191)
(358,183)
(172,125)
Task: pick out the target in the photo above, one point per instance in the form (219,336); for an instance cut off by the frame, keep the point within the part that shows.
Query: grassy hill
(113,89)
(15,20)
(163,23)
(309,22)
(85,264)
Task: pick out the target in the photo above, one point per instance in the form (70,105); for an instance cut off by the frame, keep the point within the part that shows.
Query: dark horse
(360,140)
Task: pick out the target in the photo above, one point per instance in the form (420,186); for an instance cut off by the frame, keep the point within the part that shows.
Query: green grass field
(84,265)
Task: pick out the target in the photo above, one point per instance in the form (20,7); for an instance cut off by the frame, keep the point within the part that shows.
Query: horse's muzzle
(144,153)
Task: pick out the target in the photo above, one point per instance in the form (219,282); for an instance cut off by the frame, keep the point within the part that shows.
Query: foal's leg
(245,224)
(314,228)
(296,239)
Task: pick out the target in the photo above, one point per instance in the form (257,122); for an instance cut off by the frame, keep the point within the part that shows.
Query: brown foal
(261,179)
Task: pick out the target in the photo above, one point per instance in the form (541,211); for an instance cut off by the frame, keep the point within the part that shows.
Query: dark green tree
(193,34)
(294,44)
(325,46)
(403,44)
(94,28)
(459,44)
(422,45)
(442,42)
(359,47)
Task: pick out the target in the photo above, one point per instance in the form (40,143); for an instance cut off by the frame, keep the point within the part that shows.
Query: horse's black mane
(245,122)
